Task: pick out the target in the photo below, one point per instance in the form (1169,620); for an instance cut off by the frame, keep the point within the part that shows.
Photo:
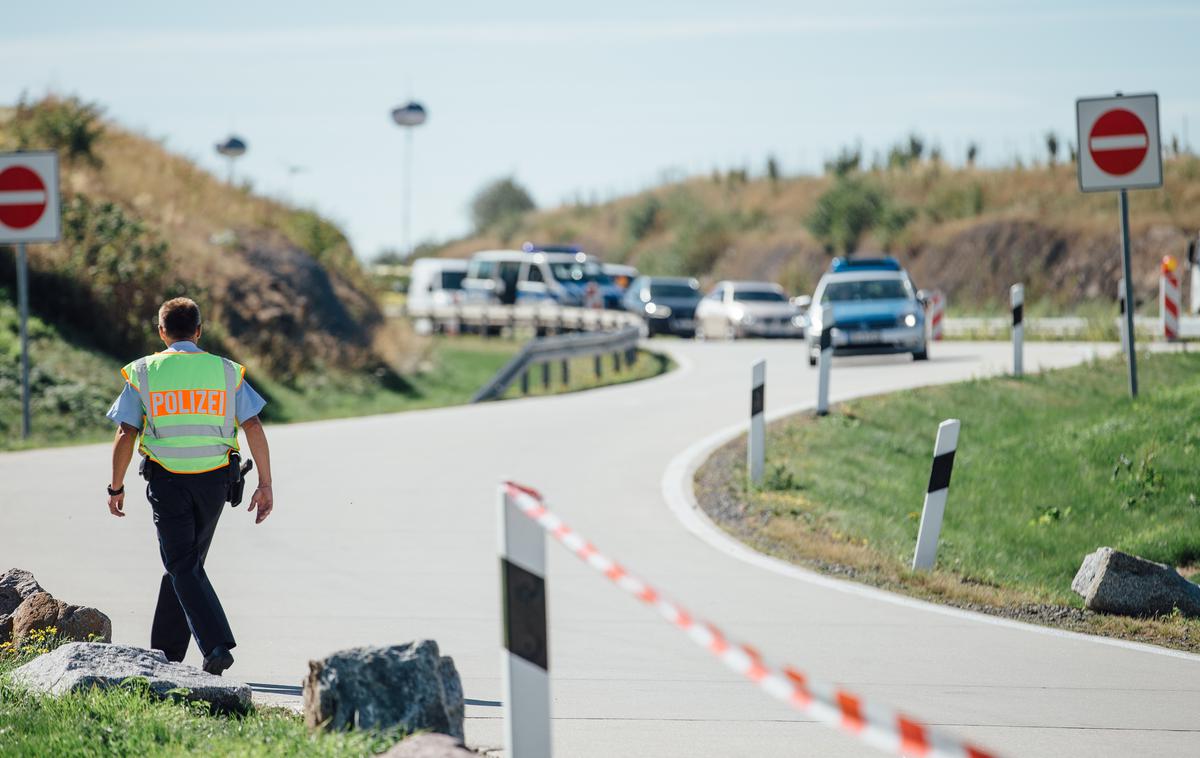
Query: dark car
(667,304)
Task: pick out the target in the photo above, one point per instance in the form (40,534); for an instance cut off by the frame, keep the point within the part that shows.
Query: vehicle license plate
(865,337)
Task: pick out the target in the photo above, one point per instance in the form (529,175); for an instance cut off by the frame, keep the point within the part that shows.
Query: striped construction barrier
(1168,298)
(868,721)
(937,314)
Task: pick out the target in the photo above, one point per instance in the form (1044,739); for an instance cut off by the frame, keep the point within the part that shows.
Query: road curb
(678,492)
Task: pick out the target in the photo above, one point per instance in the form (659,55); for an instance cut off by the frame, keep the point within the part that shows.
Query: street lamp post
(232,148)
(409,115)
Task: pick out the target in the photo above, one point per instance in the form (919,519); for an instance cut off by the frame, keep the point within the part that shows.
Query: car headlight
(797,321)
(910,319)
(737,314)
(657,311)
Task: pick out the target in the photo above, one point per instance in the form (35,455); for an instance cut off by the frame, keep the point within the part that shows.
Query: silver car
(734,310)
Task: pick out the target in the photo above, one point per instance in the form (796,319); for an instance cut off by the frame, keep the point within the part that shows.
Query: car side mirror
(923,297)
(803,302)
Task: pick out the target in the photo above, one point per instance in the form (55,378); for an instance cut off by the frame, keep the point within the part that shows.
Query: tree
(972,154)
(844,213)
(916,146)
(498,200)
(847,161)
(70,126)
(1052,147)
(772,170)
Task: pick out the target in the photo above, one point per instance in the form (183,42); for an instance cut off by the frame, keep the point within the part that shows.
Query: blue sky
(579,99)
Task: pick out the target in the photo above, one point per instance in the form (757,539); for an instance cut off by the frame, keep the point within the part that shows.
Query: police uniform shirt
(127,408)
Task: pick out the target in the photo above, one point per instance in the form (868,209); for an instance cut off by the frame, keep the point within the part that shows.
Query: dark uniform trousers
(186,509)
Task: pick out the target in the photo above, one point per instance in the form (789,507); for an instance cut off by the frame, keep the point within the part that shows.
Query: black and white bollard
(935,495)
(826,360)
(756,444)
(1017,296)
(526,669)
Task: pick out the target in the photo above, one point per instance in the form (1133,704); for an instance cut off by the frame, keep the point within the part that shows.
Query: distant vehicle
(433,283)
(559,274)
(621,275)
(667,304)
(876,310)
(733,310)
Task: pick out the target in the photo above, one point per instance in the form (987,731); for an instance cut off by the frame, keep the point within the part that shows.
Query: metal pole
(408,146)
(1130,351)
(826,360)
(23,307)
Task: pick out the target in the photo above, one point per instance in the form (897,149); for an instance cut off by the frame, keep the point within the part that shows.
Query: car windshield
(673,290)
(452,280)
(759,296)
(579,273)
(867,289)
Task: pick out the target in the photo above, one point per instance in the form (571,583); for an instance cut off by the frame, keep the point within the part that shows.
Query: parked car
(876,310)
(433,283)
(733,310)
(560,274)
(667,304)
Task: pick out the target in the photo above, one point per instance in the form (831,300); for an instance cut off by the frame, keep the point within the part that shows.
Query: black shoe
(218,660)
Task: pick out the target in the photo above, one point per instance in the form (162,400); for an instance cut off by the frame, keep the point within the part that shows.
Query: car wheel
(921,355)
(812,359)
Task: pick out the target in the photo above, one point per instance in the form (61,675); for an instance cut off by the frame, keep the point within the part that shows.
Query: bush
(498,200)
(642,218)
(119,271)
(700,242)
(850,209)
(949,202)
(71,127)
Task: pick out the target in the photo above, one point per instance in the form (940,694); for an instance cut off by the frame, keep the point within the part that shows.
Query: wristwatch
(112,492)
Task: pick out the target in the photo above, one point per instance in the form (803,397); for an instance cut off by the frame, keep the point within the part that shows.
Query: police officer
(186,406)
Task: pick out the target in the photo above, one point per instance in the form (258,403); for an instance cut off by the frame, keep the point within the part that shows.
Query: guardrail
(1068,326)
(621,344)
(540,318)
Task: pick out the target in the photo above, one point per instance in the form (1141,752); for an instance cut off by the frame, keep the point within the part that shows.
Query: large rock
(73,622)
(81,665)
(1114,582)
(410,686)
(429,745)
(15,586)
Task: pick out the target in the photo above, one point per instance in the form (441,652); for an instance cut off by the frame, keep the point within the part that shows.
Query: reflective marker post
(756,443)
(935,495)
(1017,296)
(526,667)
(826,360)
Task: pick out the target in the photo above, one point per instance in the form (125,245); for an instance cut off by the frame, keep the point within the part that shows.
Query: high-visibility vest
(189,424)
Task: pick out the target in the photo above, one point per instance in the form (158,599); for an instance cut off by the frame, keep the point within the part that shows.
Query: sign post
(1119,149)
(29,212)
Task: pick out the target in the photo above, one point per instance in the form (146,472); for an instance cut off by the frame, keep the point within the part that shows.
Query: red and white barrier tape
(874,724)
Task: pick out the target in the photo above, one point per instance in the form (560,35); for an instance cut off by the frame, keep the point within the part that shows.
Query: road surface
(385,532)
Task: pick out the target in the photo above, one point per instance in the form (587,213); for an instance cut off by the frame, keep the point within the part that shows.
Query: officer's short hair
(179,317)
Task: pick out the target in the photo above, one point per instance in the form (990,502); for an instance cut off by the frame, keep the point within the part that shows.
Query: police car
(876,310)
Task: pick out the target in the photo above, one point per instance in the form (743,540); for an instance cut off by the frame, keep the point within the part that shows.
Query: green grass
(1048,468)
(129,721)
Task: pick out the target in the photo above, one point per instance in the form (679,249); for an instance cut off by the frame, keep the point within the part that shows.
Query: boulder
(429,745)
(1114,582)
(15,586)
(74,622)
(81,665)
(409,686)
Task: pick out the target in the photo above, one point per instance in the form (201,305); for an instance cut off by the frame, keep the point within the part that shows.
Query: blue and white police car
(876,310)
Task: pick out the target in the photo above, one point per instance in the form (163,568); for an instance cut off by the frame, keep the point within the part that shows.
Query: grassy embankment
(1049,468)
(128,721)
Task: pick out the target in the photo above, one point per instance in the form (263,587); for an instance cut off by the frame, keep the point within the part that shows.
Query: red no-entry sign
(29,207)
(1118,143)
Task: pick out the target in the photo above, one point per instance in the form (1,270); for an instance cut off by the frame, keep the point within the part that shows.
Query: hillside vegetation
(969,231)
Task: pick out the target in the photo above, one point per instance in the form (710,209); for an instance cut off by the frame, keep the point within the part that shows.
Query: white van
(433,283)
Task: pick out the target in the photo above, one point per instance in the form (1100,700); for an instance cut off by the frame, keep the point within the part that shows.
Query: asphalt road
(385,532)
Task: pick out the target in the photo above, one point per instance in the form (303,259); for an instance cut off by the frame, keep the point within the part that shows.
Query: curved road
(385,532)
